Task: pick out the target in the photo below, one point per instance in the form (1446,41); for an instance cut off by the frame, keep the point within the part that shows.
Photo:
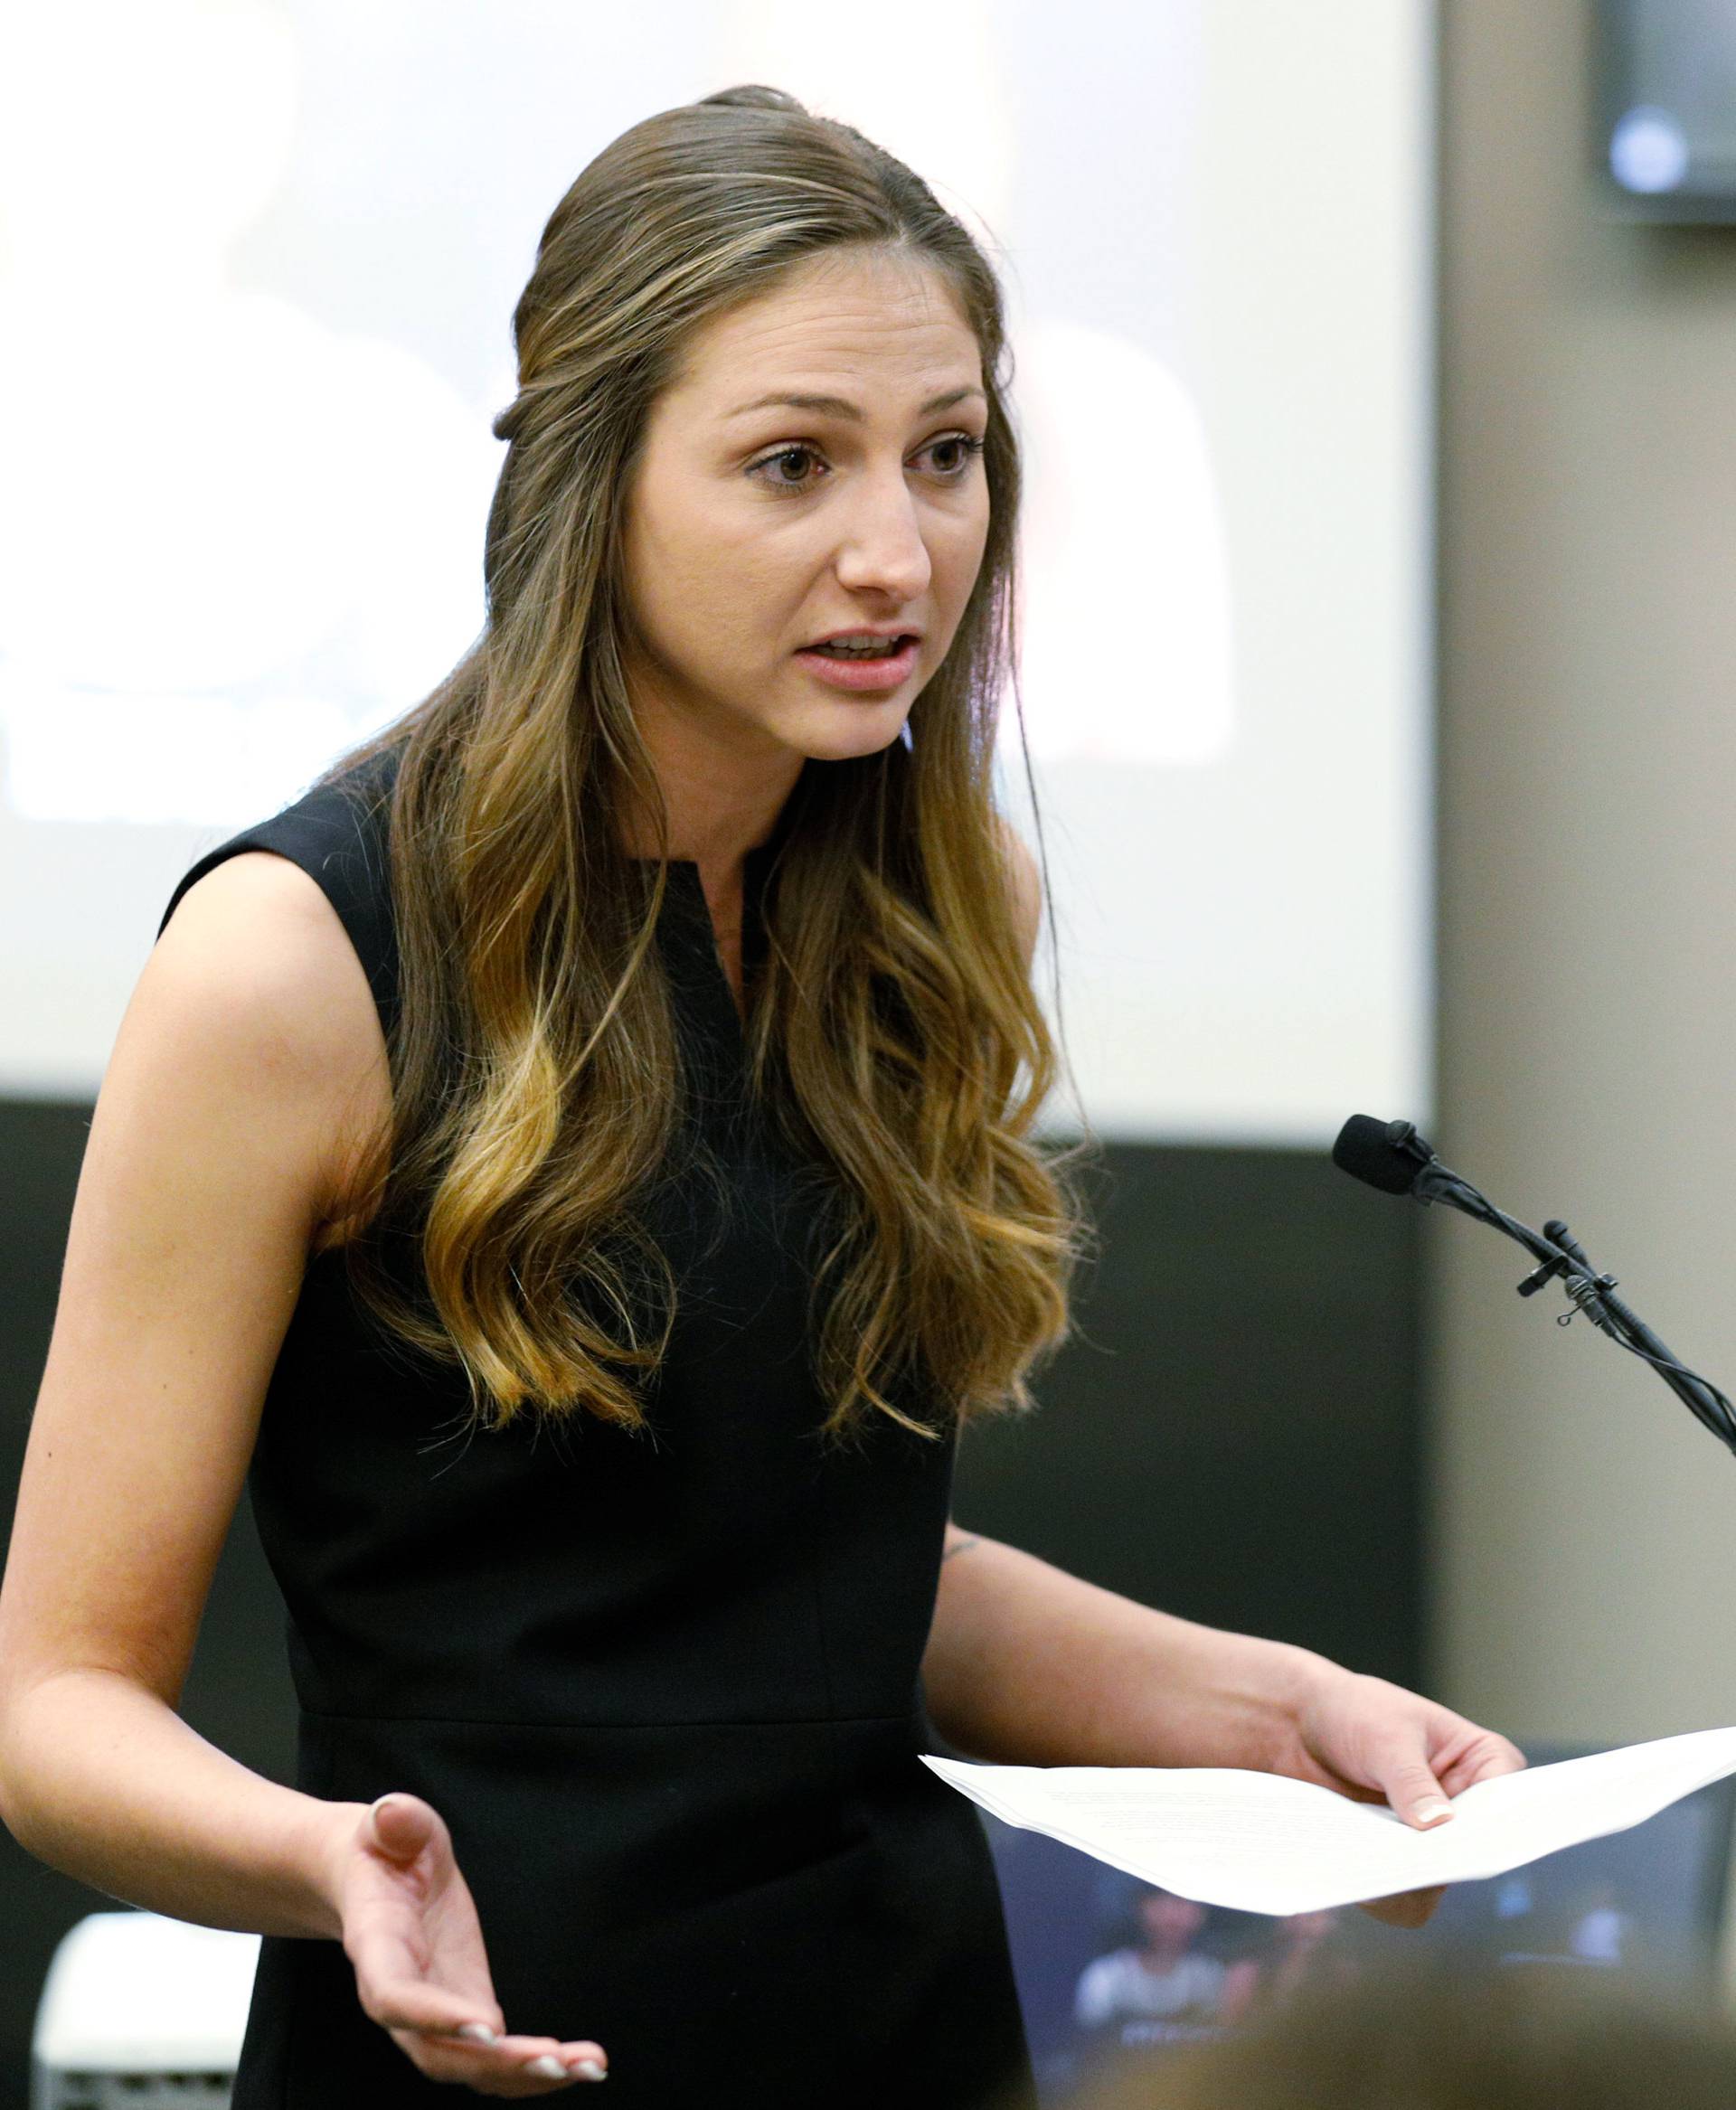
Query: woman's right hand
(410,1928)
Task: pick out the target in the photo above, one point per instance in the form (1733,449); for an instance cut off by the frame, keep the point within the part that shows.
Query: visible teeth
(881,648)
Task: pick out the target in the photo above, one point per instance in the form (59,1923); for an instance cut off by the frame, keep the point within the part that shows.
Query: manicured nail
(588,2070)
(1433,1810)
(548,2068)
(477,2032)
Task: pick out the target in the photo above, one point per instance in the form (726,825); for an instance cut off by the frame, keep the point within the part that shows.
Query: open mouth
(877,669)
(875,649)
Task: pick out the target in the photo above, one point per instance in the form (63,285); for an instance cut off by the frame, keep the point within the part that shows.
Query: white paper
(1260,1844)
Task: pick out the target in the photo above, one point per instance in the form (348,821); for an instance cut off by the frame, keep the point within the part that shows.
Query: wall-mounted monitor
(1666,107)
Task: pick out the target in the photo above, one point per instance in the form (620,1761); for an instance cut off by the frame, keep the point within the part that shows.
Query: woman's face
(755,529)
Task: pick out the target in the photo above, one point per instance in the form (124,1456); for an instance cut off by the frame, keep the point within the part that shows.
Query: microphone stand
(1559,1256)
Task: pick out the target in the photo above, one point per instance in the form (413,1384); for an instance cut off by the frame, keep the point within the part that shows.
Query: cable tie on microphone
(1586,1292)
(1545,1274)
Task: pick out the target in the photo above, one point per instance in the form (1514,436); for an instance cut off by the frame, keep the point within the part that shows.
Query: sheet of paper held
(1259,1843)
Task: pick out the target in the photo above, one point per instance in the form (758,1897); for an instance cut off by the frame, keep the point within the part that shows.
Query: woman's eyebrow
(836,407)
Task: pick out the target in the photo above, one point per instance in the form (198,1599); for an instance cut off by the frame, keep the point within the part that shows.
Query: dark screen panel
(1234,1433)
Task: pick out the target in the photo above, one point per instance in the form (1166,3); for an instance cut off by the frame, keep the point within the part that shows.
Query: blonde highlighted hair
(895,1039)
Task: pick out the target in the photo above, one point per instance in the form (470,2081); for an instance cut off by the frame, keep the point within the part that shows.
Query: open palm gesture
(422,1971)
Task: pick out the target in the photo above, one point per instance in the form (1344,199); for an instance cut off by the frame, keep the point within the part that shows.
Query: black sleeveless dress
(665,1689)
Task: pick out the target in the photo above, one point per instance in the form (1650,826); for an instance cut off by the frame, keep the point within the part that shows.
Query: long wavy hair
(537,1078)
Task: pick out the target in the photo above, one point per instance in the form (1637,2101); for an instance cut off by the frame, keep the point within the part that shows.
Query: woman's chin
(850,751)
(838,732)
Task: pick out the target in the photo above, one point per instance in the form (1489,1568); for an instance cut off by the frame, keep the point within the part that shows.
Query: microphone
(1387,1155)
(1392,1156)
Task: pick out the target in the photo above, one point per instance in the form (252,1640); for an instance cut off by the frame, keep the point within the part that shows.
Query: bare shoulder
(256,977)
(260,926)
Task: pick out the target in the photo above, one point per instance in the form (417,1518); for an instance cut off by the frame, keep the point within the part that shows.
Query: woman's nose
(882,544)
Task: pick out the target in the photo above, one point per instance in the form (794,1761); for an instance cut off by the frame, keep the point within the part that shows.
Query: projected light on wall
(256,536)
(231,536)
(1127,643)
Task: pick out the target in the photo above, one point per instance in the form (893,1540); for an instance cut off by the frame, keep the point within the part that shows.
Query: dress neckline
(753,859)
(687,922)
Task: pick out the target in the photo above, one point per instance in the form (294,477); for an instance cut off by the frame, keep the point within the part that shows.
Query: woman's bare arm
(217,1150)
(1030,1666)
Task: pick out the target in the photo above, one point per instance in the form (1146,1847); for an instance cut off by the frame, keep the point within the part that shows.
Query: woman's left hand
(1378,1742)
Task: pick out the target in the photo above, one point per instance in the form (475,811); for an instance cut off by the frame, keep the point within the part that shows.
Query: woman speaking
(575,1164)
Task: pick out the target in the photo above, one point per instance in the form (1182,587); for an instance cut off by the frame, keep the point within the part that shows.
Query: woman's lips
(873,675)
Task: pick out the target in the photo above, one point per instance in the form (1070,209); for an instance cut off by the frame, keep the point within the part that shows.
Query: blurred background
(1376,370)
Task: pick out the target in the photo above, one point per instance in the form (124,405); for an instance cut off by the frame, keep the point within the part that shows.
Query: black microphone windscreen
(1367,1151)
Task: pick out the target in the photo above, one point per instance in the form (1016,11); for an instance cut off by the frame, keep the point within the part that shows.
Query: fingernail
(477,2032)
(588,2070)
(1433,1810)
(548,2068)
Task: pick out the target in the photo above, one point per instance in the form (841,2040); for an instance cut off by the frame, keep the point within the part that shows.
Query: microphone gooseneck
(1392,1156)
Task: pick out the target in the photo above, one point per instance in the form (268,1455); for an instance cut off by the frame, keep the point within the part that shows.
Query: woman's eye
(780,469)
(784,455)
(963,449)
